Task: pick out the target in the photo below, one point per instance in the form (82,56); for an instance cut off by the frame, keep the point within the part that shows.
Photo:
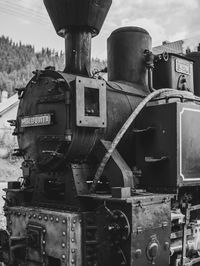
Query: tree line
(17,61)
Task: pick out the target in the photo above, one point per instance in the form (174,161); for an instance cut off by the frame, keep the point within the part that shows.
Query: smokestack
(78,21)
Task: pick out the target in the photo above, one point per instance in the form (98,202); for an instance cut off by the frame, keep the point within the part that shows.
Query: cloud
(24,21)
(165,19)
(35,6)
(150,25)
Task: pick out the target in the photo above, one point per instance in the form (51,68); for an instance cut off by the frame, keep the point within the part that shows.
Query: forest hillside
(17,61)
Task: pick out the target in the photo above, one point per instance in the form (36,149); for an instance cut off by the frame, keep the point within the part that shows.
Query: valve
(164,56)
(118,228)
(20,92)
(38,73)
(12,122)
(152,250)
(18,152)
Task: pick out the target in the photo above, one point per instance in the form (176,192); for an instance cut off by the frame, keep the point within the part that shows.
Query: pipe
(78,52)
(150,79)
(121,133)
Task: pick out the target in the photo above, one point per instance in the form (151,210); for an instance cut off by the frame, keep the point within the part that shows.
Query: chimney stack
(78,21)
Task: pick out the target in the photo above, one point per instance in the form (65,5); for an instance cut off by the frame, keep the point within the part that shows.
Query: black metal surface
(196,67)
(68,15)
(78,52)
(172,141)
(77,21)
(126,58)
(149,223)
(62,140)
(168,74)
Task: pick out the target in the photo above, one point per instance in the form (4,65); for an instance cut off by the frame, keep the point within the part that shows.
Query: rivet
(80,221)
(63,245)
(44,231)
(43,242)
(72,240)
(29,216)
(63,257)
(166,246)
(72,229)
(51,219)
(138,253)
(64,233)
(43,253)
(73,261)
(74,221)
(57,220)
(73,250)
(34,216)
(24,214)
(63,221)
(45,218)
(40,217)
(10,222)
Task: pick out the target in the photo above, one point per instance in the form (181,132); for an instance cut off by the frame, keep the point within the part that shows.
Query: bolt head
(138,253)
(166,246)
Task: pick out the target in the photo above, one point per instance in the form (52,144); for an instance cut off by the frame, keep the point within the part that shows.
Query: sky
(27,21)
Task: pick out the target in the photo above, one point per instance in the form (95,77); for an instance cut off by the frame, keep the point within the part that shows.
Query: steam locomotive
(111,172)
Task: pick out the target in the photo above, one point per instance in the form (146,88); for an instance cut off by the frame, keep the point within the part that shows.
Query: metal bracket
(118,172)
(156,160)
(145,130)
(91,106)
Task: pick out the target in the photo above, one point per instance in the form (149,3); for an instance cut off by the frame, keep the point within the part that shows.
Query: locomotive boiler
(110,172)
